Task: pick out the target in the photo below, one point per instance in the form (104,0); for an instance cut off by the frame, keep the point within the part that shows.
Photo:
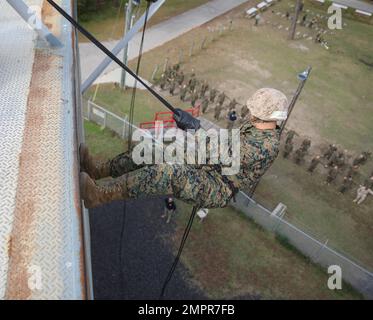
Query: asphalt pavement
(147,253)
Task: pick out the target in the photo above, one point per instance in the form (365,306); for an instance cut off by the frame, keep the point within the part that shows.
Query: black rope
(133,98)
(99,45)
(181,247)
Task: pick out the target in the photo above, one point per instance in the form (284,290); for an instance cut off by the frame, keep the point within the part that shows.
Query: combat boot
(96,169)
(95,195)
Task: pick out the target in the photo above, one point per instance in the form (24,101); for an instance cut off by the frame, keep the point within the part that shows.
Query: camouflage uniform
(288,149)
(163,81)
(341,161)
(332,174)
(306,144)
(299,156)
(314,162)
(201,186)
(194,98)
(333,159)
(172,87)
(232,104)
(183,92)
(290,136)
(192,83)
(331,149)
(352,171)
(244,112)
(217,112)
(205,105)
(346,184)
(180,78)
(361,159)
(204,88)
(213,93)
(221,99)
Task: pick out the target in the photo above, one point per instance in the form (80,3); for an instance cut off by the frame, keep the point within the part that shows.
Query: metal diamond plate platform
(42,247)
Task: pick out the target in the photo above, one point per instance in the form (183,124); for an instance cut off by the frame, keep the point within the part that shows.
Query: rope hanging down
(176,261)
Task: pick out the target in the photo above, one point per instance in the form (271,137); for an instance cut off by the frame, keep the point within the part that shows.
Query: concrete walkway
(356,4)
(156,36)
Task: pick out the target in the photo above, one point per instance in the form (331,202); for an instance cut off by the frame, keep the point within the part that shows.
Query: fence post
(89,110)
(203,43)
(221,28)
(154,72)
(191,49)
(181,56)
(105,120)
(165,64)
(124,130)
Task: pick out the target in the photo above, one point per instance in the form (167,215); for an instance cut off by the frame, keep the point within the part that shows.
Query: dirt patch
(299,46)
(251,65)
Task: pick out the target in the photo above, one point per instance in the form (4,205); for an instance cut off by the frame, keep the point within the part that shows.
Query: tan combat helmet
(268,104)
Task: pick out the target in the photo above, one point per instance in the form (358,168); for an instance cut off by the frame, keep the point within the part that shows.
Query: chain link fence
(106,119)
(317,251)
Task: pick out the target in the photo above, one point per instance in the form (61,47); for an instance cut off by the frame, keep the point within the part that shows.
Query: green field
(108,22)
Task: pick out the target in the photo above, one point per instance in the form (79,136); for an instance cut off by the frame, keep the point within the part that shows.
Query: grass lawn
(118,101)
(335,107)
(108,22)
(230,256)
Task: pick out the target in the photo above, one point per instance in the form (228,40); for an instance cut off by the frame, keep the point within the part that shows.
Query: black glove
(185,121)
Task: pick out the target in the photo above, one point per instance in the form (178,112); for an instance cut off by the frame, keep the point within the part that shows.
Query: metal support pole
(31,18)
(127,27)
(191,49)
(165,65)
(203,43)
(181,54)
(154,72)
(294,23)
(121,44)
(303,77)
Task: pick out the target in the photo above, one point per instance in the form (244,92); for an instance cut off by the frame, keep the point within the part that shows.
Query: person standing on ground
(169,209)
(232,117)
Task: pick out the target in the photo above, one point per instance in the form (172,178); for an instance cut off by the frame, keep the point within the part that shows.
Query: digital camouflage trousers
(203,187)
